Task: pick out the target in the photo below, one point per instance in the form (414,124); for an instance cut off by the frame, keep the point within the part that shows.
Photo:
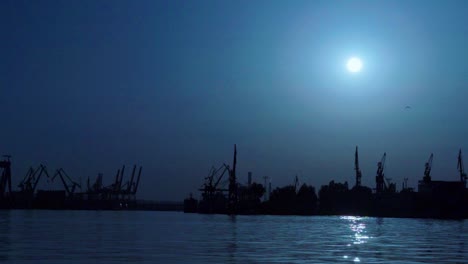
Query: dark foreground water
(174,237)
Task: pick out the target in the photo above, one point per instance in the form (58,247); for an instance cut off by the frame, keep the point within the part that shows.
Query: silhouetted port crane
(461,169)
(117,186)
(31,179)
(210,187)
(213,194)
(357,169)
(135,186)
(67,182)
(427,169)
(116,190)
(380,179)
(5,180)
(130,187)
(97,185)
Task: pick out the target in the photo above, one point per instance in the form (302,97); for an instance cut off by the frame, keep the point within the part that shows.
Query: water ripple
(172,237)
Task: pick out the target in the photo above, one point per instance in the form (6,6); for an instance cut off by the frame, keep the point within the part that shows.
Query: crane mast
(233,185)
(379,178)
(356,167)
(461,169)
(427,169)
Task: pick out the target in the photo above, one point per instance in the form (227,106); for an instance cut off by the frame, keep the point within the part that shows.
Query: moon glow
(354,65)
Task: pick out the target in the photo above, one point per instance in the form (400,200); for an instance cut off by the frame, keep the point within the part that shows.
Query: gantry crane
(116,190)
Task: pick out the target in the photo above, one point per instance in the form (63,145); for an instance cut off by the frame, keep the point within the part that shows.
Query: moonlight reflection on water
(174,237)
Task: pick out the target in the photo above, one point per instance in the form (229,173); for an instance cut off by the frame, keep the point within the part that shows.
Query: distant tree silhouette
(285,201)
(250,198)
(333,198)
(306,200)
(282,200)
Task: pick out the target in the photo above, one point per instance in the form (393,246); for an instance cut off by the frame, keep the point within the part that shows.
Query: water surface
(39,236)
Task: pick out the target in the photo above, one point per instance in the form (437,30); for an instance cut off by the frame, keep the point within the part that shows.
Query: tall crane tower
(357,169)
(233,185)
(427,169)
(461,169)
(379,178)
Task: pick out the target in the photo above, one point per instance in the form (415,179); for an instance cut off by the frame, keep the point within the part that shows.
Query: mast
(461,169)
(233,185)
(357,169)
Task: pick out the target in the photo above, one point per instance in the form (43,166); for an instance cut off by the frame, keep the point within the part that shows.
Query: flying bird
(407,107)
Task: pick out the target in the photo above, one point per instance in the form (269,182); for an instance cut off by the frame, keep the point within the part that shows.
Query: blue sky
(172,85)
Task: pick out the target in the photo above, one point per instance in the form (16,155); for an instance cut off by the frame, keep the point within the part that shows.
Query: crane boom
(42,169)
(25,184)
(226,168)
(137,181)
(116,183)
(73,183)
(119,188)
(129,186)
(428,168)
(380,177)
(59,173)
(69,188)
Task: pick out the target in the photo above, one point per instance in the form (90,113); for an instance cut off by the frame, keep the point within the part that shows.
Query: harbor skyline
(89,86)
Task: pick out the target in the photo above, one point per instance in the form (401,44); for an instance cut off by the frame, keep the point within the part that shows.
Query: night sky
(173,85)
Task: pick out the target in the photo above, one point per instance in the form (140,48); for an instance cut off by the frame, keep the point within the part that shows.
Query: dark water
(173,237)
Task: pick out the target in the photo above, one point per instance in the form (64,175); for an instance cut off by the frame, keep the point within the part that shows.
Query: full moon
(354,65)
